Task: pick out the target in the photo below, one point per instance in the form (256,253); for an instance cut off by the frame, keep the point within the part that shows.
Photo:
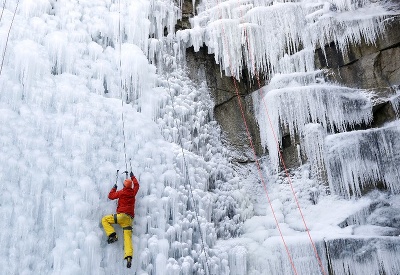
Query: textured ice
(73,68)
(312,144)
(364,255)
(291,101)
(395,101)
(357,159)
(262,33)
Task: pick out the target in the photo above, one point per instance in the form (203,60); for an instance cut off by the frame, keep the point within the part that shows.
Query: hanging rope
(261,175)
(282,159)
(254,151)
(121,84)
(8,35)
(207,267)
(2,11)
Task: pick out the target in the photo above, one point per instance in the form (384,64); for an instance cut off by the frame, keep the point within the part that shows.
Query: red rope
(261,176)
(279,151)
(254,152)
(281,157)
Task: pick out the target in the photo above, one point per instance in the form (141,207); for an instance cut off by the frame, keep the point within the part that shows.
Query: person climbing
(124,216)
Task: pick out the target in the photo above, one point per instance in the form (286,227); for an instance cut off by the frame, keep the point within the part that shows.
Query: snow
(91,87)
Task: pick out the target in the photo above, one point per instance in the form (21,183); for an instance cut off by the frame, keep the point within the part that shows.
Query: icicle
(364,256)
(238,260)
(295,100)
(313,136)
(356,159)
(134,78)
(61,53)
(266,32)
(30,8)
(30,62)
(395,101)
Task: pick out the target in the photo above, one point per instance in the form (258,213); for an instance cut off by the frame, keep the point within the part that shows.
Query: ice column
(312,144)
(293,100)
(356,159)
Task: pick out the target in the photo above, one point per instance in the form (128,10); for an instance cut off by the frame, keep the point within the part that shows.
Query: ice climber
(124,216)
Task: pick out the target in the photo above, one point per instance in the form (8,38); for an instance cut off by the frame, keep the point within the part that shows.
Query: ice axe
(116,178)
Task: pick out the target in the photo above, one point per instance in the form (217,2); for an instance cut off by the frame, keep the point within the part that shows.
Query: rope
(261,175)
(120,84)
(282,159)
(8,35)
(2,11)
(207,267)
(254,152)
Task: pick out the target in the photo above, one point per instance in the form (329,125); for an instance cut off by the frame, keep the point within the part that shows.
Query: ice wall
(257,35)
(395,101)
(291,101)
(277,40)
(72,70)
(364,157)
(364,256)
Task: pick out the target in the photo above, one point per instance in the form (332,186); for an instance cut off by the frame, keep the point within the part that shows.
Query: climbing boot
(112,238)
(128,261)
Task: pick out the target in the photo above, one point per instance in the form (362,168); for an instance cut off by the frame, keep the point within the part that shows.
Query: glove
(131,174)
(115,186)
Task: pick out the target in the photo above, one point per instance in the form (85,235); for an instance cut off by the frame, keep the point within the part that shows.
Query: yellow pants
(125,222)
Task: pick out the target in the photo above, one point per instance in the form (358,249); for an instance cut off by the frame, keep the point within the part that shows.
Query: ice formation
(395,101)
(264,32)
(73,69)
(291,101)
(363,157)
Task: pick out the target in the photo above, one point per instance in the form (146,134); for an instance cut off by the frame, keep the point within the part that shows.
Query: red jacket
(126,198)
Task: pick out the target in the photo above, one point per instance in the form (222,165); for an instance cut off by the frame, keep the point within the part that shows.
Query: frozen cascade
(61,136)
(227,27)
(358,158)
(364,255)
(294,100)
(313,136)
(61,144)
(395,100)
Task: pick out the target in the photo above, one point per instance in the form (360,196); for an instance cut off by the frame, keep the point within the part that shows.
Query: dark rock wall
(227,111)
(373,67)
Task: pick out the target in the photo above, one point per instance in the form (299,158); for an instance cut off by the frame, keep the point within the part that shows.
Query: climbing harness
(207,267)
(8,35)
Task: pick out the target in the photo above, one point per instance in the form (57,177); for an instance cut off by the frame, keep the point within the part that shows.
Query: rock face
(373,67)
(227,110)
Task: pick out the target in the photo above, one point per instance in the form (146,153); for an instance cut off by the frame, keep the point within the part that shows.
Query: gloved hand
(115,186)
(131,174)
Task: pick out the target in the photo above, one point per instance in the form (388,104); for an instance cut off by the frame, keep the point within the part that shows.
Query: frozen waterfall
(90,87)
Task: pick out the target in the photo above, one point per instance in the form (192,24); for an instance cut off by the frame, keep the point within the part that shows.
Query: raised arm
(113,193)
